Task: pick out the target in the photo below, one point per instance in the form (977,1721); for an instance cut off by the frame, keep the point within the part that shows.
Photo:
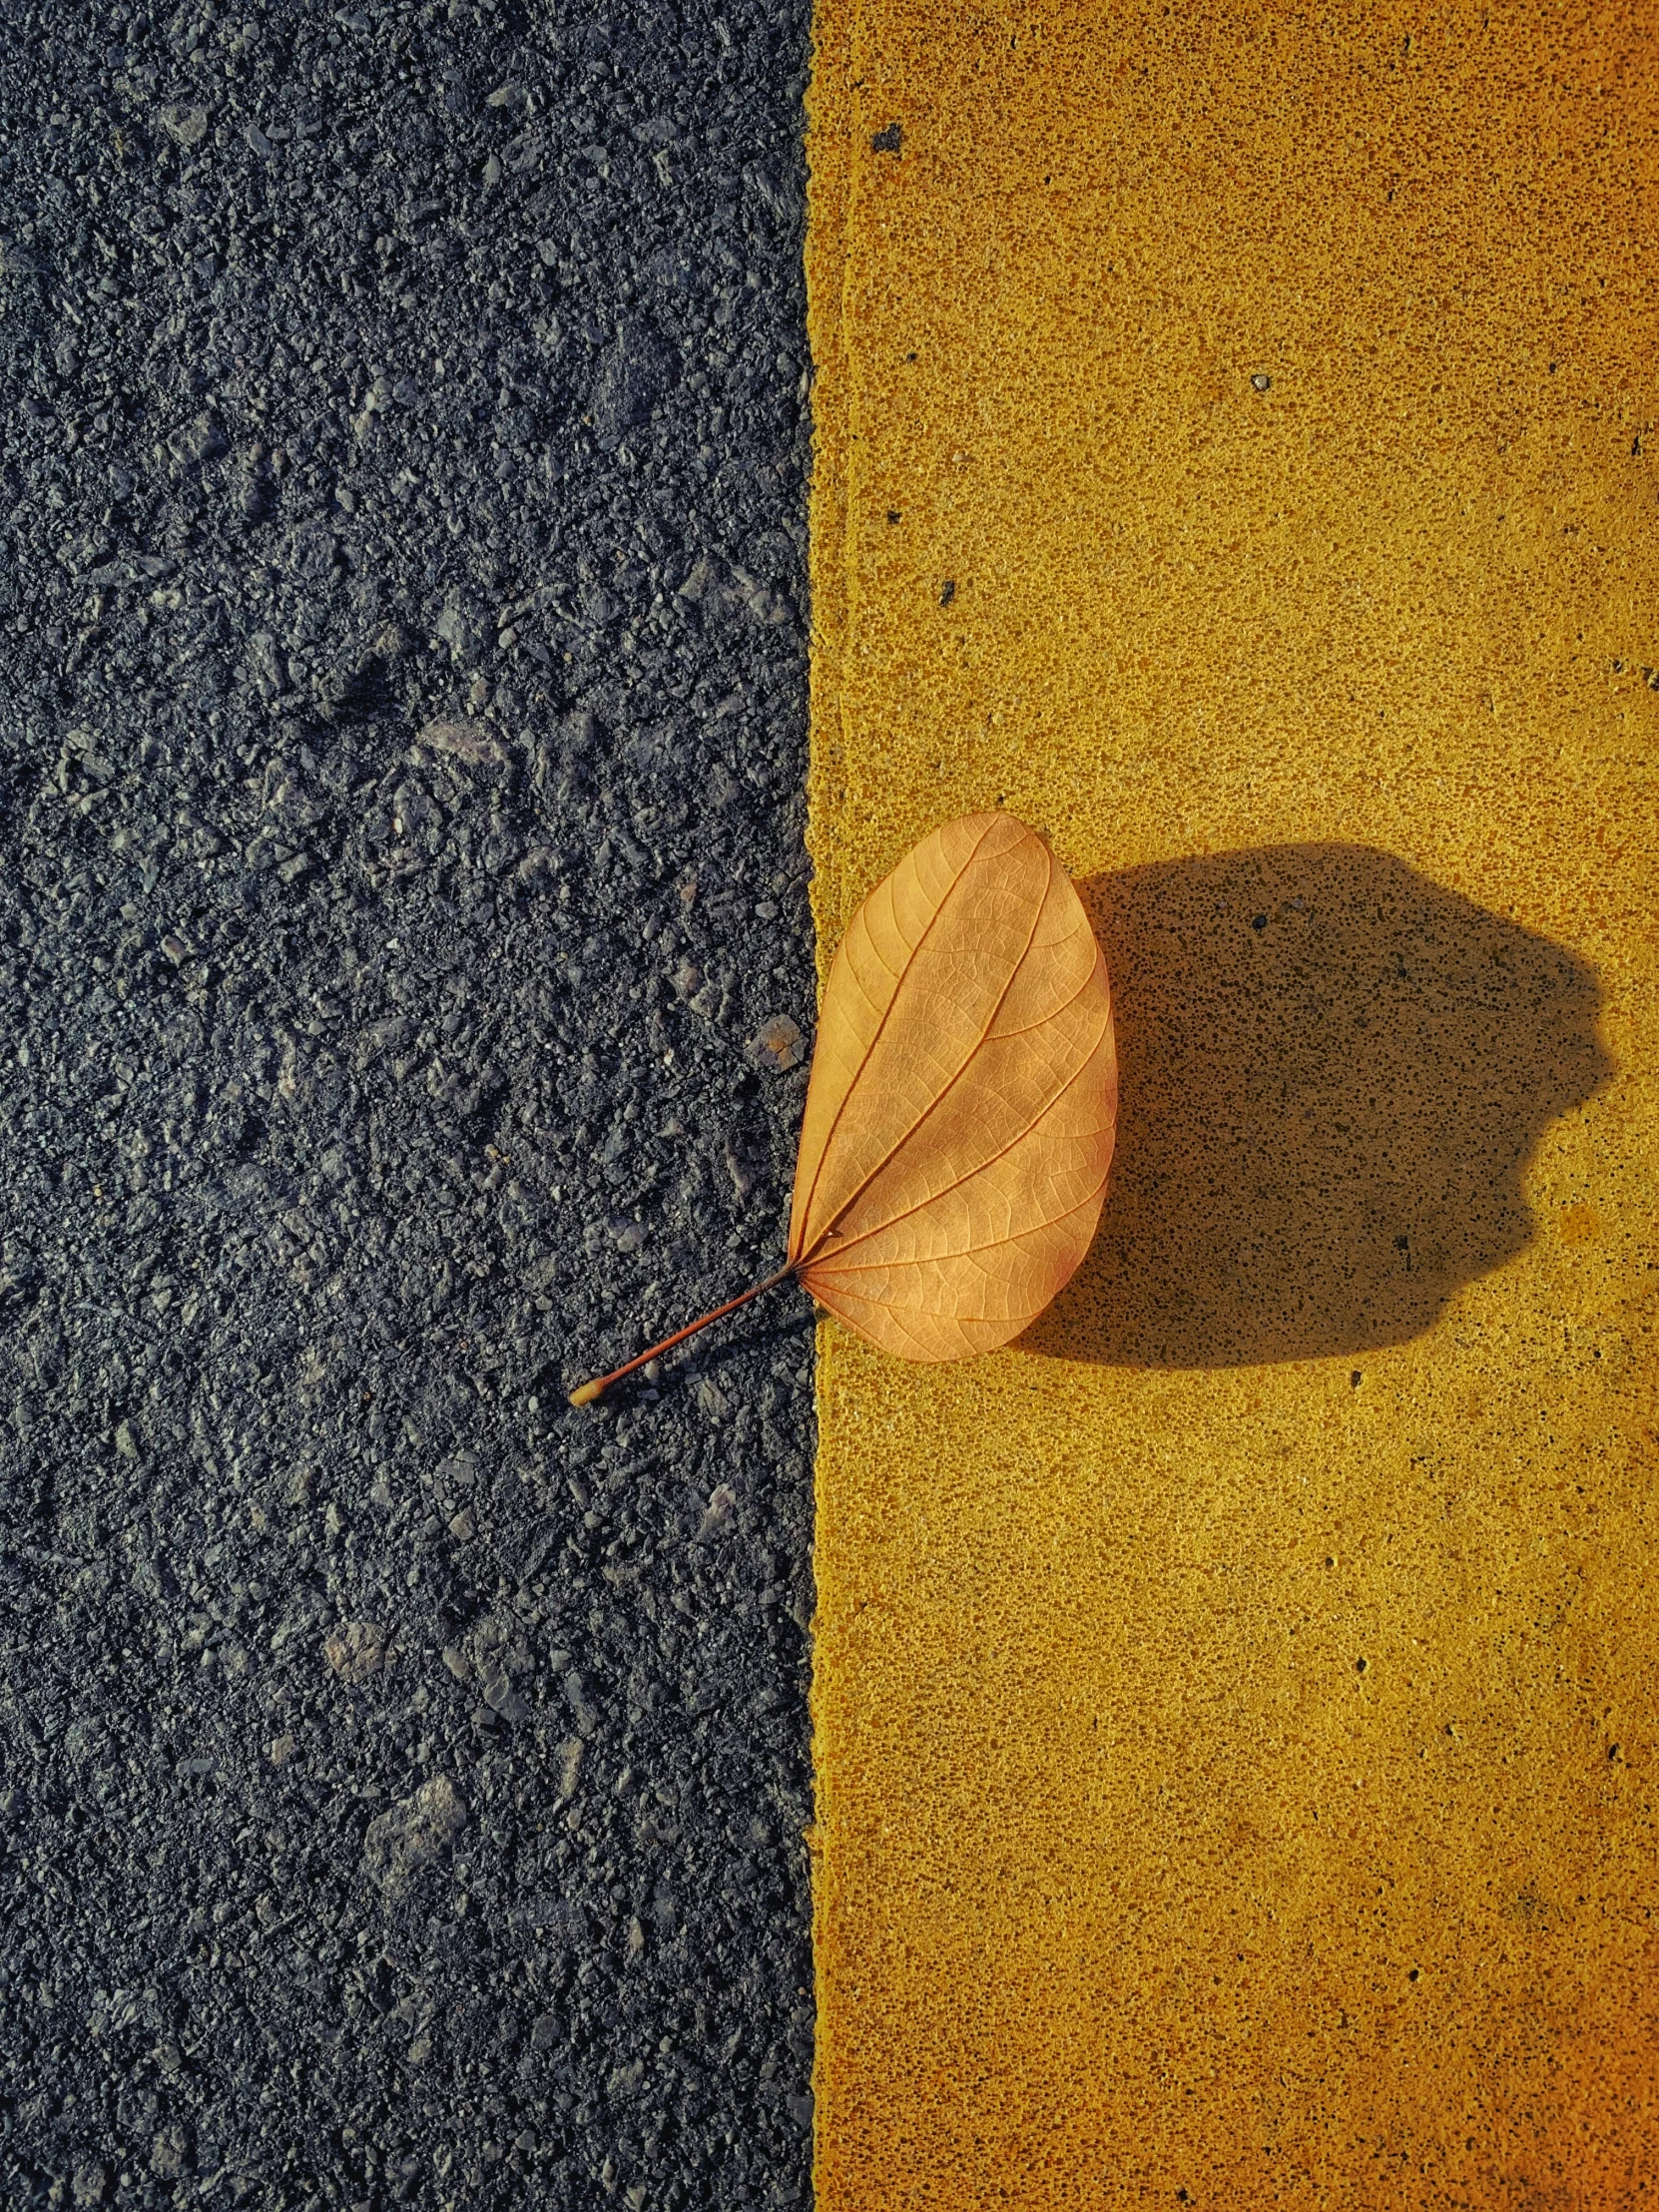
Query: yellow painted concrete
(1235,1710)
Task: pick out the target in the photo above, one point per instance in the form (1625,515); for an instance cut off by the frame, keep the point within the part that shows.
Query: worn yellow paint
(1234,1707)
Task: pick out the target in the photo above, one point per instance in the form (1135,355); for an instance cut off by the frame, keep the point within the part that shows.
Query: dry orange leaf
(962,1102)
(963,1098)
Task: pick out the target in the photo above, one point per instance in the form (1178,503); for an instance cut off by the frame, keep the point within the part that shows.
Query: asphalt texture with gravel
(406,971)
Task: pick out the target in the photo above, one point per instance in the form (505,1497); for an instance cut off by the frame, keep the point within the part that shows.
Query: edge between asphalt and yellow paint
(1234,1722)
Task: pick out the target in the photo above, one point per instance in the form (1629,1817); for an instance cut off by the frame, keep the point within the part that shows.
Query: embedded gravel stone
(415,1833)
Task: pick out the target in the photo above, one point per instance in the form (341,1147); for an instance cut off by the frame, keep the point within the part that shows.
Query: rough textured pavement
(403,934)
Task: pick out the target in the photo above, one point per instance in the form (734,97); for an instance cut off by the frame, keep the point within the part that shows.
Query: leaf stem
(588,1391)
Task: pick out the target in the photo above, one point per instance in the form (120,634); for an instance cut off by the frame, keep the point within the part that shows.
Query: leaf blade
(963,1103)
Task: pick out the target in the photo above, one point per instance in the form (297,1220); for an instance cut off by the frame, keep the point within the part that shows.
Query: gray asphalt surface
(402,725)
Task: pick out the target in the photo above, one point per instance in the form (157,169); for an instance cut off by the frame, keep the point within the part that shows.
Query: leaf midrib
(939,1096)
(803,1258)
(921,1205)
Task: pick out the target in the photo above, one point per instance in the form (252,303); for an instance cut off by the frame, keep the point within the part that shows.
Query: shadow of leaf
(1334,1073)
